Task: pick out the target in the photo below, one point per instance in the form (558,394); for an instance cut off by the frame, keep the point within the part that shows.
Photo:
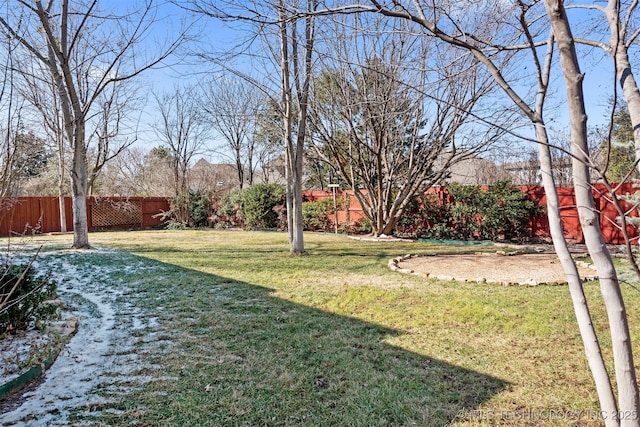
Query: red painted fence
(29,215)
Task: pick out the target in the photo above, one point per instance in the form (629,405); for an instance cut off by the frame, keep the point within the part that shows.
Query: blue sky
(216,36)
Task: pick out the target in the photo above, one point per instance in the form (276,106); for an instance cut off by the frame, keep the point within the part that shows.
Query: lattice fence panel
(110,213)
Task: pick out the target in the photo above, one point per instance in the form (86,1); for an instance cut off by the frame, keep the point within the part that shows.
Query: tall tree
(86,49)
(296,40)
(289,30)
(628,398)
(39,89)
(13,160)
(9,126)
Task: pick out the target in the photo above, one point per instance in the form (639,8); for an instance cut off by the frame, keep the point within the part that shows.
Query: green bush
(502,212)
(363,226)
(26,306)
(230,212)
(256,207)
(315,215)
(508,212)
(190,209)
(258,203)
(424,214)
(467,210)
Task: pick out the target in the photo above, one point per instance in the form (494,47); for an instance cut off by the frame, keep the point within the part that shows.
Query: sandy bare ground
(520,269)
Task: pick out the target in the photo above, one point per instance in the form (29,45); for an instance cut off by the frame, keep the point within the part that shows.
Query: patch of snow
(103,357)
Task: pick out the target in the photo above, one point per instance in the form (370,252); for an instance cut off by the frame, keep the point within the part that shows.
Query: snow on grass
(102,359)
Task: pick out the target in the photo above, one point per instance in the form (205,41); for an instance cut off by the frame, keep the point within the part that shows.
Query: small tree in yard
(289,28)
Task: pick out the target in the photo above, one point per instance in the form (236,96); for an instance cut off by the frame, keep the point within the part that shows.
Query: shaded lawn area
(258,337)
(244,357)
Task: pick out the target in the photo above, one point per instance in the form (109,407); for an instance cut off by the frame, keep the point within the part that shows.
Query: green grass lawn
(335,338)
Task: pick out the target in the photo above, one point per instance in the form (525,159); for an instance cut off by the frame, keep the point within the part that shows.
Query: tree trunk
(63,213)
(631,95)
(292,175)
(388,227)
(610,288)
(79,182)
(61,204)
(297,235)
(578,298)
(239,166)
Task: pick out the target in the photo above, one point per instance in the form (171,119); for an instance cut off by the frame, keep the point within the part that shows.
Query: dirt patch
(520,269)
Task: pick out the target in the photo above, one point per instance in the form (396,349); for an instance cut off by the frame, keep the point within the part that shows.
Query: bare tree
(85,50)
(9,155)
(39,89)
(620,19)
(138,172)
(289,29)
(296,39)
(115,127)
(9,127)
(233,108)
(182,130)
(391,128)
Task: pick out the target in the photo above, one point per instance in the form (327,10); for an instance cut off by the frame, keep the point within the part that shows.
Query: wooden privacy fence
(31,215)
(350,212)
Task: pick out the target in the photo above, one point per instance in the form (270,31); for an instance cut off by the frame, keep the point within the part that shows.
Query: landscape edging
(69,328)
(393,265)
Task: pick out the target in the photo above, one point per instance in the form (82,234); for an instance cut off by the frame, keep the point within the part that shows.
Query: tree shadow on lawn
(241,356)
